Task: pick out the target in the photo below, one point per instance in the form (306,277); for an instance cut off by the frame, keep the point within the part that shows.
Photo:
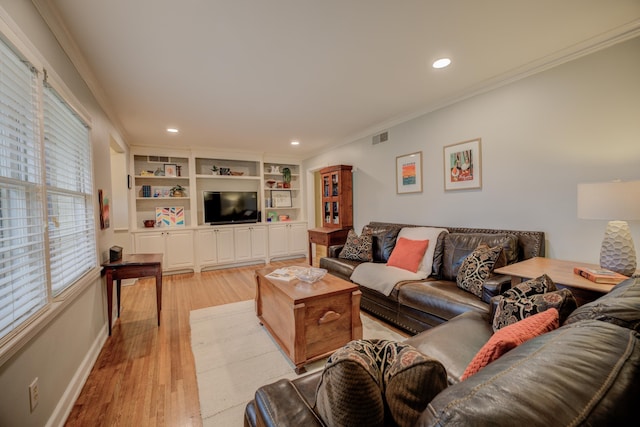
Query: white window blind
(23,281)
(69,193)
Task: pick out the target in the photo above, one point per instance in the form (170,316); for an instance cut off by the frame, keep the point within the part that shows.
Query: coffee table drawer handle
(329,316)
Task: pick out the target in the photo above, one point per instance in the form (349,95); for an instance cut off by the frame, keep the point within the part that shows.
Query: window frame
(14,340)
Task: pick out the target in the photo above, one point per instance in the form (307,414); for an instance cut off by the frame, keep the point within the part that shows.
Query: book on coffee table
(286,273)
(600,275)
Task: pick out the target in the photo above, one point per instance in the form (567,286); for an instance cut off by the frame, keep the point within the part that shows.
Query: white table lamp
(617,202)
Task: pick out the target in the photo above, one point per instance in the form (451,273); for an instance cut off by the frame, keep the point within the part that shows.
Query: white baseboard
(68,399)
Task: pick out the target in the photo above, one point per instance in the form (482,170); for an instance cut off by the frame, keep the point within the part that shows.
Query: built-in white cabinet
(215,245)
(250,242)
(287,239)
(176,245)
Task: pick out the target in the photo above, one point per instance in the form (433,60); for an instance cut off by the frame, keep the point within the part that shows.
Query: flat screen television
(230,207)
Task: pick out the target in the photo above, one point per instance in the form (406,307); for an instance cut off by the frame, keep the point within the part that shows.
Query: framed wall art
(409,173)
(170,169)
(281,198)
(462,165)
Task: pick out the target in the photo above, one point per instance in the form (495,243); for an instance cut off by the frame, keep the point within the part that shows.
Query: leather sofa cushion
(457,246)
(342,268)
(455,342)
(383,241)
(439,298)
(621,306)
(580,374)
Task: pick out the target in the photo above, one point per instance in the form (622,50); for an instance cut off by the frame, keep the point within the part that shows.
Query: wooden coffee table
(309,321)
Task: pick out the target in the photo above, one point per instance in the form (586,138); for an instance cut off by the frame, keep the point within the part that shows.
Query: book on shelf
(600,275)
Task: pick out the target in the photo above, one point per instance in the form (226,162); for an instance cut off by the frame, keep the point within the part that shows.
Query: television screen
(230,207)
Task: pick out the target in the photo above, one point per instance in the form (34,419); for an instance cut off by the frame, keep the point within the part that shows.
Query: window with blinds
(47,232)
(23,279)
(69,193)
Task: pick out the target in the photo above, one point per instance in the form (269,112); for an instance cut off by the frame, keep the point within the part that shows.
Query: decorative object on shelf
(281,198)
(146,191)
(271,183)
(149,223)
(158,172)
(147,173)
(462,165)
(215,170)
(225,171)
(104,210)
(274,169)
(178,170)
(177,191)
(409,173)
(286,177)
(170,217)
(232,173)
(617,202)
(170,169)
(272,216)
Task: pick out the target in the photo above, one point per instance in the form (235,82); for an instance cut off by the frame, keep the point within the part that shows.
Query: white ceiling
(255,74)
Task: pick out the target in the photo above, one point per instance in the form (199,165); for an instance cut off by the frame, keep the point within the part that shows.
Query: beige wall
(541,136)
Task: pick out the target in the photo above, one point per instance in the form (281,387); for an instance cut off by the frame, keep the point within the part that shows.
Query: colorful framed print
(463,165)
(409,173)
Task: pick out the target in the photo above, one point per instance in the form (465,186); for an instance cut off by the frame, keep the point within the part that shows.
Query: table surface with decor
(561,272)
(308,320)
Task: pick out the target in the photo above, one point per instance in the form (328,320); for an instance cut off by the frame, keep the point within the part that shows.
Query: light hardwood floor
(145,374)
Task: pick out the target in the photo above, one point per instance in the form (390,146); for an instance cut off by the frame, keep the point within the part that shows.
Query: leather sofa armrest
(281,404)
(334,250)
(495,285)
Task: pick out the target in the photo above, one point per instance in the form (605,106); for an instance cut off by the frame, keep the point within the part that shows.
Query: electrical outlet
(34,393)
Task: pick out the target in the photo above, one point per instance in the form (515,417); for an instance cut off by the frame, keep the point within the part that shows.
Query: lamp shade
(615,200)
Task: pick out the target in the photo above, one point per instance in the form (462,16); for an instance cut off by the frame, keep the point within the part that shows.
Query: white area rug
(234,356)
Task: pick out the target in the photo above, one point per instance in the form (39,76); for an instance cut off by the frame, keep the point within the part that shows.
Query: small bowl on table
(310,275)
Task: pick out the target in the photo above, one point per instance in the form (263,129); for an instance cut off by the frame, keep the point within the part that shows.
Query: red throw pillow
(512,336)
(407,254)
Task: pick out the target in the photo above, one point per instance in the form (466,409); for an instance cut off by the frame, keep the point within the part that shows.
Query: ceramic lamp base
(617,252)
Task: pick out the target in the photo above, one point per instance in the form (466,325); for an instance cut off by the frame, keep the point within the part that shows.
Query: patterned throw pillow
(364,377)
(539,285)
(513,309)
(357,248)
(512,336)
(476,268)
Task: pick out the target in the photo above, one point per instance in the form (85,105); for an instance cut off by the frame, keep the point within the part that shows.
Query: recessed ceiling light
(172,130)
(441,63)
(295,142)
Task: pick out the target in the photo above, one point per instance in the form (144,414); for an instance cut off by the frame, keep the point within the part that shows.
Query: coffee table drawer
(328,324)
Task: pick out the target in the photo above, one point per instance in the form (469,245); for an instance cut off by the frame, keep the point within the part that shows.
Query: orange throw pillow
(512,336)
(407,254)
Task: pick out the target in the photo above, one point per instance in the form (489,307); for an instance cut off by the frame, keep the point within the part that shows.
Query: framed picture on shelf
(462,165)
(409,173)
(281,199)
(170,169)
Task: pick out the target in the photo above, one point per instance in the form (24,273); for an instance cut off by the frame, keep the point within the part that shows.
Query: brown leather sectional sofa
(587,372)
(418,305)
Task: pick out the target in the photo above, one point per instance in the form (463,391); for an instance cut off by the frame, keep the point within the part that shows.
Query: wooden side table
(326,237)
(561,272)
(131,267)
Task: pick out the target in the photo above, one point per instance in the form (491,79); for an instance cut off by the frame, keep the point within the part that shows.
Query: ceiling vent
(380,138)
(158,159)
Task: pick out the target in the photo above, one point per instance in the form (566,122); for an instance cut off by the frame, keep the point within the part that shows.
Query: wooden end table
(131,267)
(561,272)
(309,321)
(326,236)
